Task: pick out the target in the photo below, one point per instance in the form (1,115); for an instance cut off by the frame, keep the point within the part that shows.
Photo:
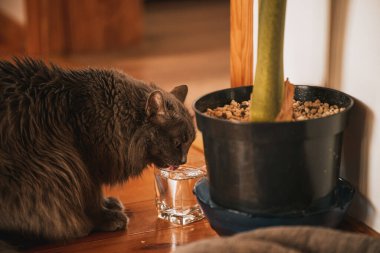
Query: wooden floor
(146,233)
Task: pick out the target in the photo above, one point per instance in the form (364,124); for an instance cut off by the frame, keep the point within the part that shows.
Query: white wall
(306,40)
(15,9)
(359,76)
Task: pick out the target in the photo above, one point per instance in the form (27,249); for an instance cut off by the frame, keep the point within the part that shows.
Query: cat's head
(172,128)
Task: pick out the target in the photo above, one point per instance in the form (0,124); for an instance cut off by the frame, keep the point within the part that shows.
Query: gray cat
(65,133)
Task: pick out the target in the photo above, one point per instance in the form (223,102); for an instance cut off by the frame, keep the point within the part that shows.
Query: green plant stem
(266,99)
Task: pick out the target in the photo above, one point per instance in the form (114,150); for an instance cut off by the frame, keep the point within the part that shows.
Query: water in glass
(175,200)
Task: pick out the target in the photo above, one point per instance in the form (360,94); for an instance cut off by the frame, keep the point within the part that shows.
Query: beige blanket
(300,239)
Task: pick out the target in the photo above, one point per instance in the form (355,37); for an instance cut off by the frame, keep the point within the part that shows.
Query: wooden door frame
(241,42)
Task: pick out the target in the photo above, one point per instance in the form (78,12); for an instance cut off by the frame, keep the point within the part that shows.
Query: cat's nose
(184,159)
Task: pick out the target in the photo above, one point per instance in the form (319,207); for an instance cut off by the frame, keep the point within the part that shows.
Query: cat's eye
(169,106)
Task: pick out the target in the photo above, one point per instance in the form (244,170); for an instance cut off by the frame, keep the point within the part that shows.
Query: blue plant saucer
(227,221)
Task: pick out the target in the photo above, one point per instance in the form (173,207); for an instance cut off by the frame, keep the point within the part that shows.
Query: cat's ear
(155,107)
(180,92)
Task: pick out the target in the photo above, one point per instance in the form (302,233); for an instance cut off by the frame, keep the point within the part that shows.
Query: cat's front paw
(113,204)
(112,220)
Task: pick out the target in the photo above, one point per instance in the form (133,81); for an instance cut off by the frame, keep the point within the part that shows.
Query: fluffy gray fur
(65,133)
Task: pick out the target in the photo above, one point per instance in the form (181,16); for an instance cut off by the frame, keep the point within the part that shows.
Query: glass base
(181,218)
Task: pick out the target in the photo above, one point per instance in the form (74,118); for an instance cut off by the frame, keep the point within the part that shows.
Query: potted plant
(264,166)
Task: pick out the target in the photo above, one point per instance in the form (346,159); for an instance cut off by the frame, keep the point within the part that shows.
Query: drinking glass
(175,200)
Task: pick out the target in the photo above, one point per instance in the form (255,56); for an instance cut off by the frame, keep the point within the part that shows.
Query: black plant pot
(273,167)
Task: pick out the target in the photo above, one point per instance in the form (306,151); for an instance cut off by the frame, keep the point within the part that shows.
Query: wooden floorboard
(163,240)
(353,225)
(145,231)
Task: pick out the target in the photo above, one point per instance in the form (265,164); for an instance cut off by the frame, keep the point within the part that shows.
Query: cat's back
(22,84)
(29,95)
(24,77)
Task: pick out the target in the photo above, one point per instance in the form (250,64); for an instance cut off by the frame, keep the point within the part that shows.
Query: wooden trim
(12,36)
(33,45)
(241,39)
(351,224)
